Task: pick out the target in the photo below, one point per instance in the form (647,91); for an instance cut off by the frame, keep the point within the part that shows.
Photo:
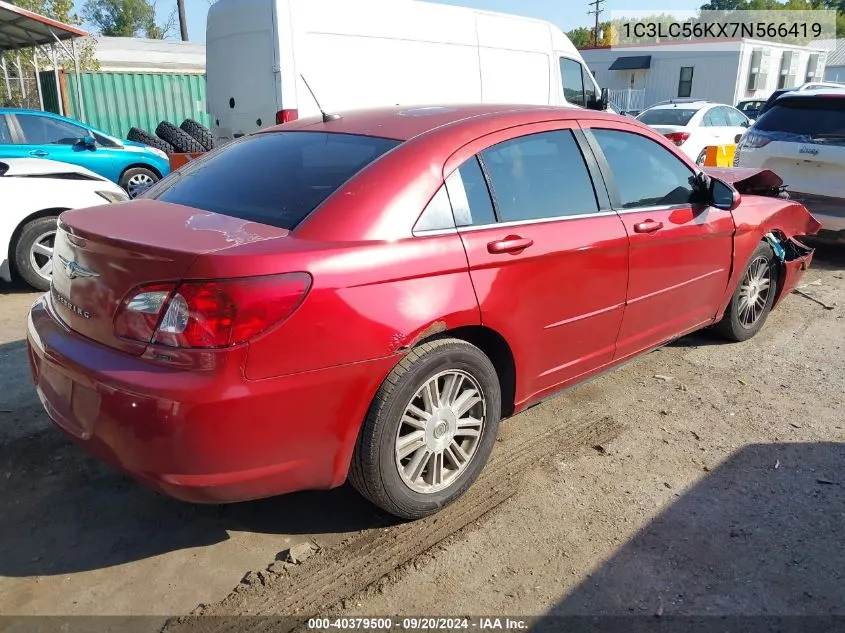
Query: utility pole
(597,12)
(183,22)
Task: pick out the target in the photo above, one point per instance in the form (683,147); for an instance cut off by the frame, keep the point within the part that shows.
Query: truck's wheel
(140,136)
(430,429)
(199,132)
(179,139)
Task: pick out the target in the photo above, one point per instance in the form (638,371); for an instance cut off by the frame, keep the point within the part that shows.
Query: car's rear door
(680,250)
(547,255)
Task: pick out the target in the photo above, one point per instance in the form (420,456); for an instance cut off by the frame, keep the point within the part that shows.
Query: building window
(812,67)
(685,82)
(755,75)
(786,77)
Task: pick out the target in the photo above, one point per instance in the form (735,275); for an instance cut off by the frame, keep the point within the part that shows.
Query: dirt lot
(703,478)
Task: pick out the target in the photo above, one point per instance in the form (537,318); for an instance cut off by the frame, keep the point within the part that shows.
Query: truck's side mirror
(600,103)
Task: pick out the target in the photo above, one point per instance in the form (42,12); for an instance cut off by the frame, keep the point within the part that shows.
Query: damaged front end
(766,213)
(795,258)
(755,182)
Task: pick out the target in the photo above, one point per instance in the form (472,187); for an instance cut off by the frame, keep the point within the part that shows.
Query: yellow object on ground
(719,156)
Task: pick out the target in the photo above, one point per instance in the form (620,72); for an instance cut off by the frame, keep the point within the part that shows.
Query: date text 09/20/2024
(418,623)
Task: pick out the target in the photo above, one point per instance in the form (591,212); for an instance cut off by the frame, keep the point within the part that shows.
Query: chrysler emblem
(74,270)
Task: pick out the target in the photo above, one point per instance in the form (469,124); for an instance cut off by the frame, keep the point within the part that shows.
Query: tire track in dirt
(336,574)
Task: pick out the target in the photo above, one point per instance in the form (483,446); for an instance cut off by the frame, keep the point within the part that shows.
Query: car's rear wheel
(33,252)
(136,180)
(753,298)
(430,429)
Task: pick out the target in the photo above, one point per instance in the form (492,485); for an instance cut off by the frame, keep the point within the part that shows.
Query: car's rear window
(806,116)
(275,178)
(667,116)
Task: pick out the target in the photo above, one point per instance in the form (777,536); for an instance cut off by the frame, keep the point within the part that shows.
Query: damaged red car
(366,297)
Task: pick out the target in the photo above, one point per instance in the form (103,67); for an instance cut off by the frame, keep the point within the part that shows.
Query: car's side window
(735,117)
(5,134)
(42,130)
(716,117)
(437,215)
(539,176)
(645,173)
(470,196)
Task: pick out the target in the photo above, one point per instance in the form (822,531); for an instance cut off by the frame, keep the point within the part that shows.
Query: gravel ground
(716,488)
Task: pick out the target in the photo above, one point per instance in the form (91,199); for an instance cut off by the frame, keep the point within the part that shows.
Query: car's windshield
(667,116)
(813,117)
(275,178)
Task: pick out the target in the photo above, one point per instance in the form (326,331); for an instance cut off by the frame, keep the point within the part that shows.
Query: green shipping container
(115,101)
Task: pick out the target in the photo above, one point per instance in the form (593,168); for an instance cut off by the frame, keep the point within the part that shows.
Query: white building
(726,72)
(834,68)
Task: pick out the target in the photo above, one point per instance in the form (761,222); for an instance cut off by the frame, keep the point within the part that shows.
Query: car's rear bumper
(830,211)
(201,435)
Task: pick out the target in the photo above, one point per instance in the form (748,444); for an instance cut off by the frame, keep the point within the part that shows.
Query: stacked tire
(190,137)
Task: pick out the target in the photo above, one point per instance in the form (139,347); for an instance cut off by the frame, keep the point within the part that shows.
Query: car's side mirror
(723,196)
(88,142)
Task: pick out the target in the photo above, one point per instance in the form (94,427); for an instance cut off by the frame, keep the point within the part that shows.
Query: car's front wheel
(753,298)
(429,430)
(136,180)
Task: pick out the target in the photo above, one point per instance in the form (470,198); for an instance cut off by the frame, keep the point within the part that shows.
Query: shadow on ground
(62,511)
(760,535)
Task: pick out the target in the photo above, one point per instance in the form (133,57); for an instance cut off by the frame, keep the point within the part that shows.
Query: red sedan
(366,297)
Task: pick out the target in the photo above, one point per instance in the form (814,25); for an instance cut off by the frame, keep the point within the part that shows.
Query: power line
(596,12)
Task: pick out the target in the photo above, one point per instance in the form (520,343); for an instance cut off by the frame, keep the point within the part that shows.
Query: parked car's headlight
(159,153)
(114,196)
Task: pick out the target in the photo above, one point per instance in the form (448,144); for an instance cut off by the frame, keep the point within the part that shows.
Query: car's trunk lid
(102,253)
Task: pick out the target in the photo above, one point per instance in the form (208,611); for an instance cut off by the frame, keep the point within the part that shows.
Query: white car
(801,138)
(693,125)
(34,191)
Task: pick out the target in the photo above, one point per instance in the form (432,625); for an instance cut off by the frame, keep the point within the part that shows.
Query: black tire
(374,472)
(179,139)
(136,180)
(140,136)
(32,233)
(701,158)
(199,132)
(732,326)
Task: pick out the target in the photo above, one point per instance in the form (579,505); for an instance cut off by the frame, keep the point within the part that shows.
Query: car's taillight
(140,311)
(210,314)
(752,140)
(677,138)
(286,116)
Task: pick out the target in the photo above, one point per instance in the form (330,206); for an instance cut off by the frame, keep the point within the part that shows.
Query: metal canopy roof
(20,28)
(634,62)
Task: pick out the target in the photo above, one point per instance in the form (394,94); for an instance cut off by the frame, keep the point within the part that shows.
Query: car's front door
(547,255)
(680,249)
(42,136)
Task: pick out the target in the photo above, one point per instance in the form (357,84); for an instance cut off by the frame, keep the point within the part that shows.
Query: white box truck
(365,53)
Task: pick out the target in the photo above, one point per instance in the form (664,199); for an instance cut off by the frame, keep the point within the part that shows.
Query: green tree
(61,11)
(126,18)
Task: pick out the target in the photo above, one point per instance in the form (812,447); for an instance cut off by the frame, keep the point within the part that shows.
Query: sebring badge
(74,270)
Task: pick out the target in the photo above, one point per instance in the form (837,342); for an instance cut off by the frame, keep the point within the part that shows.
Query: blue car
(32,133)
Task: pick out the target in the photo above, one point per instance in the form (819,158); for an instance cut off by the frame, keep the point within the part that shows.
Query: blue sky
(566,14)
